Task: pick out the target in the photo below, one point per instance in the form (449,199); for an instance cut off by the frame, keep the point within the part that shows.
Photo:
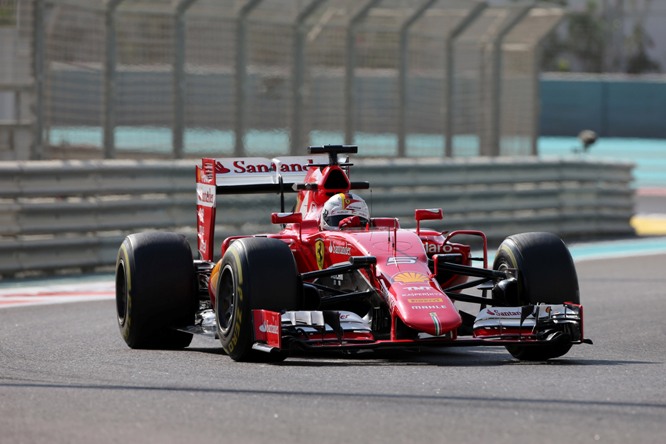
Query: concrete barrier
(72,215)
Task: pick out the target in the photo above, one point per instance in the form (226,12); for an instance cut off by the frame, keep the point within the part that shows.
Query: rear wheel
(155,290)
(256,273)
(546,274)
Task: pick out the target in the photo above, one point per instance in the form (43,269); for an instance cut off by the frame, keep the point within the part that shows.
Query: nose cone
(426,309)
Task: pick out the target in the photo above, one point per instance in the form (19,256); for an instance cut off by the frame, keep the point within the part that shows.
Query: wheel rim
(504,265)
(121,294)
(226,300)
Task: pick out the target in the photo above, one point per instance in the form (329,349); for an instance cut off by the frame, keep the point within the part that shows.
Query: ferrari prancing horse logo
(319,253)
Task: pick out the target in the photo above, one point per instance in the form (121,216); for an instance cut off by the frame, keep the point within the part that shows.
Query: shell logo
(410,277)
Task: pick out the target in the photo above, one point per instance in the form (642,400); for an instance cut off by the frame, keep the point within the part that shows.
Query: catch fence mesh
(273,76)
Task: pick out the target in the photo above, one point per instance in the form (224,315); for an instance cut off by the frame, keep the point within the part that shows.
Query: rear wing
(243,175)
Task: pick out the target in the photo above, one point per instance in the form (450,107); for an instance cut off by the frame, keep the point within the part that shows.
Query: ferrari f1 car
(355,287)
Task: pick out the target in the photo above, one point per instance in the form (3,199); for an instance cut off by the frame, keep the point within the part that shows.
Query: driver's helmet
(342,206)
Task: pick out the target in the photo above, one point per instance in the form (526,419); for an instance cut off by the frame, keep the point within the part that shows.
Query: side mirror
(427,214)
(286,218)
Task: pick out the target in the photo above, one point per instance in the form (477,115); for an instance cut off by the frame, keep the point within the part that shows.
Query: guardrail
(72,215)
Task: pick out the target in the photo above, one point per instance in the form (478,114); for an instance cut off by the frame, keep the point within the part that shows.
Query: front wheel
(255,273)
(546,274)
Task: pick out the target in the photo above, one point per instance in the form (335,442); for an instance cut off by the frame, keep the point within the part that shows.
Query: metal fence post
(538,52)
(179,81)
(402,76)
(109,111)
(472,15)
(491,147)
(350,65)
(241,74)
(297,124)
(37,146)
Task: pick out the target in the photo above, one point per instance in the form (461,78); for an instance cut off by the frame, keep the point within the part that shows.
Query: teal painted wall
(613,107)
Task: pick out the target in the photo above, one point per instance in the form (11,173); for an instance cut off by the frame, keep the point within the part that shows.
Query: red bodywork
(401,272)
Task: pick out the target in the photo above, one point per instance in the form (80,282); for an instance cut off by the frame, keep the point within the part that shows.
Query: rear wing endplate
(243,175)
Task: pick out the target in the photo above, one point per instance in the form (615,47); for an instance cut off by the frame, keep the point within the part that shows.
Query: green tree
(638,42)
(593,40)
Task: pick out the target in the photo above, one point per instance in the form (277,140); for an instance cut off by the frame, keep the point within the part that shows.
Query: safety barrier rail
(64,215)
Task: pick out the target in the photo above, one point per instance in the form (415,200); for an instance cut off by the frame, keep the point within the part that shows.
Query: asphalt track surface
(66,376)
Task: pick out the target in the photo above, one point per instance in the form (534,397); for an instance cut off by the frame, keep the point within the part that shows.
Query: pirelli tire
(546,274)
(155,290)
(255,273)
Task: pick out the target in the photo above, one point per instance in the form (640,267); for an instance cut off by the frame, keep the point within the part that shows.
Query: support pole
(492,145)
(179,77)
(109,111)
(37,146)
(298,138)
(471,16)
(350,66)
(241,74)
(403,64)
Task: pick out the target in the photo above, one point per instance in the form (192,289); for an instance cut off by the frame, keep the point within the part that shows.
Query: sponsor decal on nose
(410,277)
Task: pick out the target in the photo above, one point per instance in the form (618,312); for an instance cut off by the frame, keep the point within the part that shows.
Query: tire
(546,274)
(155,290)
(256,273)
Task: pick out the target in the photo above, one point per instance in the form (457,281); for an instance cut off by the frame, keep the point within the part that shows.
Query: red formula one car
(334,278)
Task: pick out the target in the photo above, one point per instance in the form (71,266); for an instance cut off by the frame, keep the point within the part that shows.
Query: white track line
(31,294)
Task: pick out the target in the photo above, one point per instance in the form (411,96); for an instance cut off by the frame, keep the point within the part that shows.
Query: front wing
(341,330)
